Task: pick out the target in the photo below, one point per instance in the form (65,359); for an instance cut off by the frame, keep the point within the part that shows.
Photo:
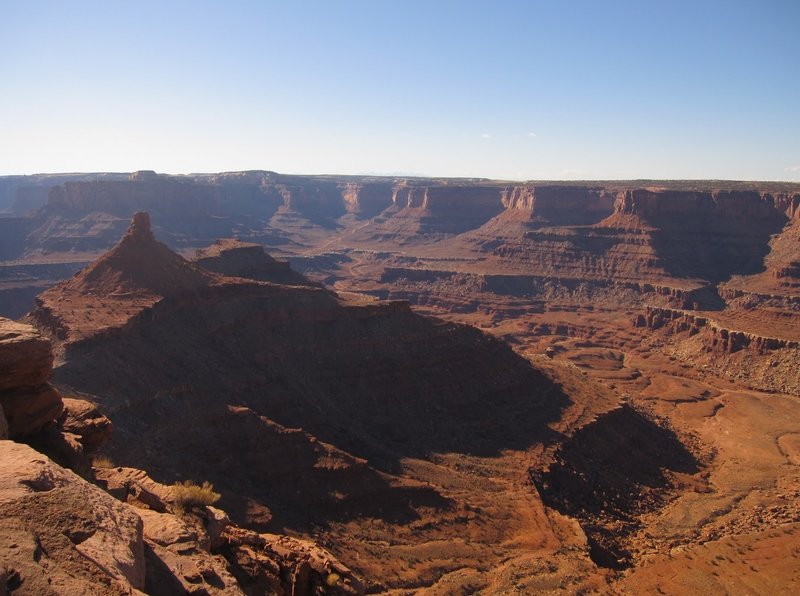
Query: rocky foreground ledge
(60,534)
(113,530)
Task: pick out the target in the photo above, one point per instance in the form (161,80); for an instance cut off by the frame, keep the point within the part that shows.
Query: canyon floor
(731,527)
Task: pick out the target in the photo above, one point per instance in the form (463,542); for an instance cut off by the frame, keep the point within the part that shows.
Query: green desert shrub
(189,495)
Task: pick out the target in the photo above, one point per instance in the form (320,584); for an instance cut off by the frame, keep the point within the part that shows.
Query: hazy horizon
(507,90)
(571,181)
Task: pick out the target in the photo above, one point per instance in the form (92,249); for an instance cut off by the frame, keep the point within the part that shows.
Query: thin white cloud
(792,169)
(531,134)
(486,135)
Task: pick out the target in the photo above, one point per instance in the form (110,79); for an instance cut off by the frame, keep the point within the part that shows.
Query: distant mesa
(144,176)
(235,258)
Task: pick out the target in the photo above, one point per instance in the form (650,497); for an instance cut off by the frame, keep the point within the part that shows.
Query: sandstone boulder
(202,552)
(61,535)
(26,364)
(179,557)
(134,487)
(82,418)
(305,567)
(25,356)
(28,409)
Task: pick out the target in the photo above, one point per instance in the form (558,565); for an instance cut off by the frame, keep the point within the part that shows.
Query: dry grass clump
(102,462)
(333,579)
(188,495)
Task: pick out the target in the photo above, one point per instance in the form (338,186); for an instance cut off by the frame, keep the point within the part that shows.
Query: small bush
(189,495)
(332,579)
(102,462)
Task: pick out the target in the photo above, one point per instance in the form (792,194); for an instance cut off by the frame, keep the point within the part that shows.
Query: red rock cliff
(560,205)
(682,208)
(26,365)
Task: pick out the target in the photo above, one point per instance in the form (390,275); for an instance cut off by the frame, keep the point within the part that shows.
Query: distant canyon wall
(671,208)
(327,198)
(560,205)
(603,231)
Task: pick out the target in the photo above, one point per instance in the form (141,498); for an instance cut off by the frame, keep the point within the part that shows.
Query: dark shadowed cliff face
(709,236)
(608,493)
(378,381)
(22,194)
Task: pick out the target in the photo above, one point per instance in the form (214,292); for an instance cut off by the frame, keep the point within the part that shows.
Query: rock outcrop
(136,274)
(235,258)
(718,336)
(557,205)
(61,535)
(83,420)
(26,365)
(202,551)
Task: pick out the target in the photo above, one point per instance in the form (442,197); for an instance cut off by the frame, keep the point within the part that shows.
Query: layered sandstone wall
(707,236)
(781,275)
(124,197)
(217,202)
(367,199)
(719,337)
(26,365)
(592,232)
(788,203)
(559,205)
(320,201)
(88,216)
(666,208)
(440,209)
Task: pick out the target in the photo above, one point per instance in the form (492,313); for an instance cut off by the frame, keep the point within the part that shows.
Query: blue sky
(516,90)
